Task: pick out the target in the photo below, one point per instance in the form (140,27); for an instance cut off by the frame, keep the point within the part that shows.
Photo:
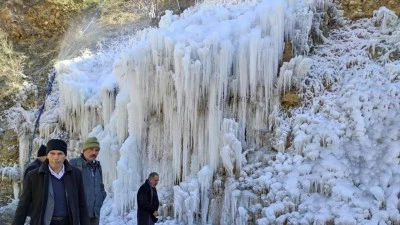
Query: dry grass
(11,66)
(290,100)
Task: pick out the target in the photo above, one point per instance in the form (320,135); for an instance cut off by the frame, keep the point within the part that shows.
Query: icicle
(255,48)
(118,122)
(23,153)
(243,216)
(227,159)
(16,190)
(232,149)
(229,208)
(129,179)
(108,102)
(205,179)
(186,201)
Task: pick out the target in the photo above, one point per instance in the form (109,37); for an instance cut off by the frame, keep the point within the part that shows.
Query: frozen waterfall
(184,100)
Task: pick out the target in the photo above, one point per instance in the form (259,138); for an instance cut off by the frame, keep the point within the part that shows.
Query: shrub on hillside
(11,65)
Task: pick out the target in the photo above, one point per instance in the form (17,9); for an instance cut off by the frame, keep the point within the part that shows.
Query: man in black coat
(55,190)
(147,200)
(41,156)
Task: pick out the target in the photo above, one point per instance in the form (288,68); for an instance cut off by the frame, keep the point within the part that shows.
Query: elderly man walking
(92,178)
(147,200)
(55,190)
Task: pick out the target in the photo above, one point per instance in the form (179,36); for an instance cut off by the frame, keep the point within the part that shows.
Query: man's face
(56,158)
(153,181)
(42,158)
(91,153)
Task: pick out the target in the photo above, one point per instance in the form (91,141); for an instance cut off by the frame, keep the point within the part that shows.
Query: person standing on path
(92,178)
(55,191)
(147,200)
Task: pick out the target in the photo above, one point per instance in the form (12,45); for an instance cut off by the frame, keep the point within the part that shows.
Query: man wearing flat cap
(55,191)
(92,178)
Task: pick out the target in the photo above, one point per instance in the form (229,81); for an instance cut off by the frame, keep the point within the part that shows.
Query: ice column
(231,152)
(129,179)
(205,177)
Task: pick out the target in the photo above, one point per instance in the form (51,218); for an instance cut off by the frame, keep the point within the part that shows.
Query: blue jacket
(94,186)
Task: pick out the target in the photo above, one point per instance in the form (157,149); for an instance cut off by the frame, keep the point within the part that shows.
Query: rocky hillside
(356,9)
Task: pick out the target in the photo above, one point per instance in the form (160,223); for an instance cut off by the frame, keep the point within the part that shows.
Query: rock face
(26,19)
(34,29)
(356,9)
(30,32)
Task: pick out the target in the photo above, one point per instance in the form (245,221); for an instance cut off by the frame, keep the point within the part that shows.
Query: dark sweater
(60,197)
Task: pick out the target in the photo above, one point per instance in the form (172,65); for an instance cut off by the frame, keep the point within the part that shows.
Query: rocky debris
(36,19)
(356,9)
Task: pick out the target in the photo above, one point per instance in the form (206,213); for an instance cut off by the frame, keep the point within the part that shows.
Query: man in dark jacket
(92,178)
(147,200)
(41,156)
(55,190)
